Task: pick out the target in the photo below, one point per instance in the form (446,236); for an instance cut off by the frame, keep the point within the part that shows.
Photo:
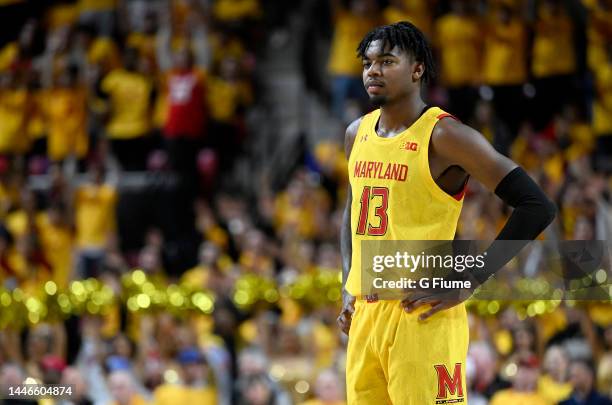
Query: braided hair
(406,37)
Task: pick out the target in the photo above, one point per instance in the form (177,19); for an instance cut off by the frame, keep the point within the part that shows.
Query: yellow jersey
(394,195)
(95,214)
(505,54)
(66,111)
(167,394)
(459,40)
(602,105)
(510,396)
(130,94)
(553,46)
(349,29)
(417,12)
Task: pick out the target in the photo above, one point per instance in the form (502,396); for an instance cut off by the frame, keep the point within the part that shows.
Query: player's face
(389,74)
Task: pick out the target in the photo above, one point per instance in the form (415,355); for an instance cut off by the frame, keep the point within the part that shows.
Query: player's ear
(418,68)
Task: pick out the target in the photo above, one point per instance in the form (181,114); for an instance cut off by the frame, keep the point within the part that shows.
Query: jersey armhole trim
(444,115)
(428,179)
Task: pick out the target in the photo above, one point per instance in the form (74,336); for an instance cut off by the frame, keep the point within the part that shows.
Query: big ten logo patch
(410,146)
(449,384)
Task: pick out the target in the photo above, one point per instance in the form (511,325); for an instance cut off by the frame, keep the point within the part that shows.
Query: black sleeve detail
(533,211)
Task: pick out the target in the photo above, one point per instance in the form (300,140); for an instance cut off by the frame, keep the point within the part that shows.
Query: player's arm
(453,143)
(346,249)
(458,144)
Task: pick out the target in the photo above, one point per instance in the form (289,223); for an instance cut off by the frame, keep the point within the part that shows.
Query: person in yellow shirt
(553,384)
(553,46)
(505,63)
(523,389)
(14,105)
(602,114)
(123,389)
(228,95)
(194,389)
(95,52)
(417,12)
(145,40)
(458,36)
(57,242)
(36,126)
(18,54)
(553,61)
(599,31)
(223,44)
(328,390)
(130,95)
(95,220)
(350,25)
(66,113)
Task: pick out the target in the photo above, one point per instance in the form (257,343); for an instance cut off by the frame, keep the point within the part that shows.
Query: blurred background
(172,180)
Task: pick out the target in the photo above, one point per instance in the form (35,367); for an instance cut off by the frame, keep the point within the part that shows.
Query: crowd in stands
(120,121)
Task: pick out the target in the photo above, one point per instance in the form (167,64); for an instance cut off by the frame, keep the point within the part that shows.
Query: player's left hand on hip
(439,300)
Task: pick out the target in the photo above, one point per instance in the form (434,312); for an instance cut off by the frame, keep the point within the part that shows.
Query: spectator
(66,112)
(253,383)
(94,204)
(350,25)
(523,389)
(228,97)
(257,390)
(14,106)
(582,374)
(553,61)
(186,116)
(194,388)
(18,56)
(11,375)
(130,96)
(599,31)
(553,384)
(80,393)
(123,389)
(417,12)
(458,37)
(602,111)
(57,241)
(486,381)
(476,398)
(505,63)
(328,390)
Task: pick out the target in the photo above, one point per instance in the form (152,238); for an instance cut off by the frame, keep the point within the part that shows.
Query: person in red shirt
(187,114)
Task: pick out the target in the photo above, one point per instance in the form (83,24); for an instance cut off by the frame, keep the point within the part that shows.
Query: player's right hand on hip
(346,314)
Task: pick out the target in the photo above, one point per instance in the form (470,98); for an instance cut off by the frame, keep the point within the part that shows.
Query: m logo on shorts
(449,384)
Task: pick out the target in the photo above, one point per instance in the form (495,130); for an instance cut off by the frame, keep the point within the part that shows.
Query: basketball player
(414,351)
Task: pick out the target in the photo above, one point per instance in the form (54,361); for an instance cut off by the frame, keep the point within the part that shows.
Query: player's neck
(399,115)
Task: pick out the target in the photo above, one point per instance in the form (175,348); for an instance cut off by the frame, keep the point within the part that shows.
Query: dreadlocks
(406,37)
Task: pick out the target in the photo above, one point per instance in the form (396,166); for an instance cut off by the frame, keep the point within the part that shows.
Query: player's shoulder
(351,133)
(450,129)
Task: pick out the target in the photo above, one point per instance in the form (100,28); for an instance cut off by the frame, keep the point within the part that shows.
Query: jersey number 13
(380,211)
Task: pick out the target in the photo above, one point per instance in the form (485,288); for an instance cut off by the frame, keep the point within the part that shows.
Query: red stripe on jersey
(444,115)
(461,194)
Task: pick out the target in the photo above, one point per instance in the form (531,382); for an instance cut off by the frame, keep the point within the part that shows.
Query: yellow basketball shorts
(393,358)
